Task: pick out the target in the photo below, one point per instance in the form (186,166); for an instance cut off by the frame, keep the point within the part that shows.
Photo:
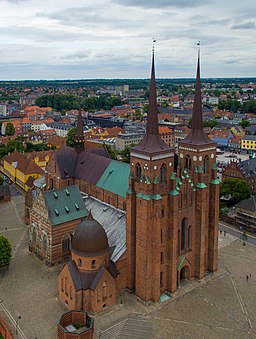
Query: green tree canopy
(245,123)
(237,188)
(10,130)
(5,252)
(71,137)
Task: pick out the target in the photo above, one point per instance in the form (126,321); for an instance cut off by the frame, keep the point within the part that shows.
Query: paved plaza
(222,305)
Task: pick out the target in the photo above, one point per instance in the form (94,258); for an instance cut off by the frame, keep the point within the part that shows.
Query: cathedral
(147,225)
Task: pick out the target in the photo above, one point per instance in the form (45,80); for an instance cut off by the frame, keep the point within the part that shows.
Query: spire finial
(153,47)
(198,49)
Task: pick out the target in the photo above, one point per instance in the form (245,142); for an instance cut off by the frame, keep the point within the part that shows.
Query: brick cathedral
(171,204)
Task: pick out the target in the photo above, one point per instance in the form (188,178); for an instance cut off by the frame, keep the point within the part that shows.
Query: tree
(245,123)
(5,252)
(10,130)
(237,188)
(71,137)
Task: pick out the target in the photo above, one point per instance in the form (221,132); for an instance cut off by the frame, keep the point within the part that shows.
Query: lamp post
(19,317)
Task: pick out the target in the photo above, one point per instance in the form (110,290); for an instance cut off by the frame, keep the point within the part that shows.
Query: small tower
(79,138)
(147,206)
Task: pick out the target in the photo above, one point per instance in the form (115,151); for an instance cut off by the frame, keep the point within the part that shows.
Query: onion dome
(90,237)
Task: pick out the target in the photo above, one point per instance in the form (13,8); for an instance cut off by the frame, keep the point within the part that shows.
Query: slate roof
(113,221)
(248,204)
(248,166)
(87,280)
(90,167)
(115,178)
(65,204)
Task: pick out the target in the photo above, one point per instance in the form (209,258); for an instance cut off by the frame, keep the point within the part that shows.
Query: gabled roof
(113,221)
(90,167)
(86,280)
(65,204)
(248,204)
(115,178)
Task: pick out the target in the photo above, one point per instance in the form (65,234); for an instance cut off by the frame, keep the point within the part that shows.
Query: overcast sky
(79,39)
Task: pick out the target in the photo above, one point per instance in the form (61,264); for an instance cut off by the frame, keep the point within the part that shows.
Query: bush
(5,252)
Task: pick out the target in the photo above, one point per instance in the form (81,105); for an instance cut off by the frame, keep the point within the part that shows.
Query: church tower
(151,166)
(172,210)
(197,161)
(79,138)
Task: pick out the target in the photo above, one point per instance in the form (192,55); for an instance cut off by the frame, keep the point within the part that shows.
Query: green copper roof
(181,262)
(182,177)
(201,185)
(174,192)
(215,182)
(149,196)
(115,178)
(185,171)
(173,176)
(147,180)
(65,204)
(200,169)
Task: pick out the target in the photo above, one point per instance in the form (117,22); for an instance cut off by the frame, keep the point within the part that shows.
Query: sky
(88,39)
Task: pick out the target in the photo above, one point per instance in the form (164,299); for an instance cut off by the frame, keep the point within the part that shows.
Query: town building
(21,169)
(248,143)
(159,213)
(244,170)
(246,214)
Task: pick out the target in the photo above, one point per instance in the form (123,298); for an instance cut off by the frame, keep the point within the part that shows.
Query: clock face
(155,167)
(194,158)
(200,158)
(170,163)
(212,155)
(181,155)
(132,164)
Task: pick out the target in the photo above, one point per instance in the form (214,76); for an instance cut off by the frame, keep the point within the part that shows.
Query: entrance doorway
(183,275)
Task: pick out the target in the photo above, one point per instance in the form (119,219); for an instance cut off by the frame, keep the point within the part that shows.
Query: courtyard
(222,305)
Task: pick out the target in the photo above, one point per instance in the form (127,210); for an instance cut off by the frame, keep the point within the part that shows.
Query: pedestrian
(220,231)
(250,275)
(224,233)
(247,277)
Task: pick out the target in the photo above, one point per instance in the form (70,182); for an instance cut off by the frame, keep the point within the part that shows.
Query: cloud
(246,25)
(160,3)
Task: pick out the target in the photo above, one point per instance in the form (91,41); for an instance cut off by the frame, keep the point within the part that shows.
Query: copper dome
(90,237)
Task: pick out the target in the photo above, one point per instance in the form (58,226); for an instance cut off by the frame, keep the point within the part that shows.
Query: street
(237,233)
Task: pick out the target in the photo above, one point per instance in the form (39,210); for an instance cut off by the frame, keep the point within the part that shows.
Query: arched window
(183,233)
(188,162)
(79,262)
(206,164)
(65,243)
(124,206)
(70,292)
(93,263)
(44,242)
(163,174)
(189,237)
(138,171)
